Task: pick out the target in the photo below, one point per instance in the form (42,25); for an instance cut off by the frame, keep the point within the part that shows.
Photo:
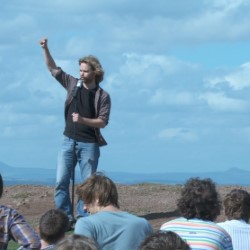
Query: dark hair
(52,225)
(1,186)
(199,199)
(76,242)
(98,187)
(237,205)
(95,65)
(164,240)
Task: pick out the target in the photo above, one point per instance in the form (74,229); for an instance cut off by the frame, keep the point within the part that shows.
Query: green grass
(23,195)
(12,245)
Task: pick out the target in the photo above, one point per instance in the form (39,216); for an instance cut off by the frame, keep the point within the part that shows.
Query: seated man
(164,240)
(237,210)
(76,242)
(52,227)
(110,227)
(14,227)
(199,205)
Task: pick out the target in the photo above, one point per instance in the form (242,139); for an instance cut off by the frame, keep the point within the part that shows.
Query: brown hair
(164,240)
(237,205)
(98,187)
(95,65)
(199,199)
(53,225)
(76,242)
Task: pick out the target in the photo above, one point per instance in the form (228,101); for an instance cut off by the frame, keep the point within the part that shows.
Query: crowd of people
(107,227)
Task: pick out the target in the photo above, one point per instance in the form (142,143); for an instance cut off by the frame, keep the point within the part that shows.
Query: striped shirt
(239,231)
(200,234)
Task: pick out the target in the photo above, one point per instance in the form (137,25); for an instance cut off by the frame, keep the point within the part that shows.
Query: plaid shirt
(13,226)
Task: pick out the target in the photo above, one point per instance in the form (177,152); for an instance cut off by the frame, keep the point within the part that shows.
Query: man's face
(92,208)
(86,73)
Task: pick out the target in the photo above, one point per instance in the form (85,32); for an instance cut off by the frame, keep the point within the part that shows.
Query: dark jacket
(102,100)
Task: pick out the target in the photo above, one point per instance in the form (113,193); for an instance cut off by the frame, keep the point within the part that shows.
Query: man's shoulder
(234,224)
(180,222)
(108,215)
(102,92)
(5,210)
(171,222)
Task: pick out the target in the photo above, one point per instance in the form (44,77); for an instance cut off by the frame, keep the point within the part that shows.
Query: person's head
(98,191)
(164,240)
(76,242)
(1,186)
(199,199)
(237,205)
(52,226)
(91,68)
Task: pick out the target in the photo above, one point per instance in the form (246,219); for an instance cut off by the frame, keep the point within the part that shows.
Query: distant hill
(38,176)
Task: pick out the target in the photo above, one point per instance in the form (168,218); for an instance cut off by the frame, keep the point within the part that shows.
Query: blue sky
(178,73)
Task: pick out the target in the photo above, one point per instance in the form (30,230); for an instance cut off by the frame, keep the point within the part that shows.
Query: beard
(88,80)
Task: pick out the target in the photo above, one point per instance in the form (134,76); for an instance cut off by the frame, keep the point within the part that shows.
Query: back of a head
(199,199)
(1,186)
(237,205)
(52,225)
(164,240)
(100,187)
(76,242)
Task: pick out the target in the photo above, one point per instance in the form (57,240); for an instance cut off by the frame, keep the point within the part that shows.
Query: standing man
(87,109)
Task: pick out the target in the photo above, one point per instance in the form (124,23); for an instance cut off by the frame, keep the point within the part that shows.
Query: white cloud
(8,132)
(226,4)
(16,29)
(239,79)
(137,64)
(179,134)
(24,126)
(220,102)
(244,132)
(168,97)
(139,46)
(149,70)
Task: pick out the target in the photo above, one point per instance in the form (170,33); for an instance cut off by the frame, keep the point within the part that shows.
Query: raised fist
(44,42)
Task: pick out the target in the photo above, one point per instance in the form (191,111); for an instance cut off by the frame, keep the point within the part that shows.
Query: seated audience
(52,227)
(110,227)
(199,205)
(237,211)
(14,227)
(164,240)
(76,242)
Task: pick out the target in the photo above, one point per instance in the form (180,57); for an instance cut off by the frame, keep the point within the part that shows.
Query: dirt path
(155,202)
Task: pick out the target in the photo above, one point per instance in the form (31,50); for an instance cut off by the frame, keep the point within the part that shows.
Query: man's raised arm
(48,58)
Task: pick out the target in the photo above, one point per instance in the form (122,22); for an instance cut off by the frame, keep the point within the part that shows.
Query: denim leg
(88,155)
(65,165)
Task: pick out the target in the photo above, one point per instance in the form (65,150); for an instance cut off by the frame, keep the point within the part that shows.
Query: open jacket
(102,100)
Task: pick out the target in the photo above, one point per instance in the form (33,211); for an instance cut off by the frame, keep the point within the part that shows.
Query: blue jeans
(73,152)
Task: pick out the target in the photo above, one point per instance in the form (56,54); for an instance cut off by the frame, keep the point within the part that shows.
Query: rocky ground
(155,202)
